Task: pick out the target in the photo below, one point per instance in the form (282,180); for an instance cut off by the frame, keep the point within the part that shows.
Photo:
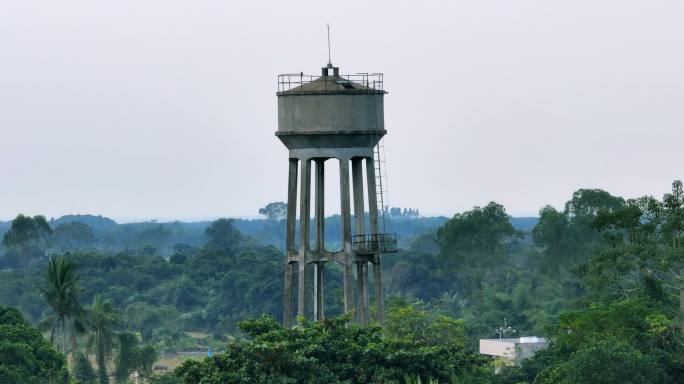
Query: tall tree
(103,318)
(581,211)
(645,255)
(61,292)
(83,371)
(553,234)
(157,235)
(132,357)
(222,235)
(274,211)
(73,235)
(568,237)
(673,231)
(589,202)
(26,231)
(476,238)
(125,360)
(474,245)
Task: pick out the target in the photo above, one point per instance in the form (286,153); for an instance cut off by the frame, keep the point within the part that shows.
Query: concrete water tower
(320,118)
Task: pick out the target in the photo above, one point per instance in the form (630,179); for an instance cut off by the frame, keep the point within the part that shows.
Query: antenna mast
(328,27)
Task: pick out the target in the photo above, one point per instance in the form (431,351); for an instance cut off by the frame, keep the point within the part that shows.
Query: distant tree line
(396,212)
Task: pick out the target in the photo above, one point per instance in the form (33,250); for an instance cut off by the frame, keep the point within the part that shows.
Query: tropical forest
(84,299)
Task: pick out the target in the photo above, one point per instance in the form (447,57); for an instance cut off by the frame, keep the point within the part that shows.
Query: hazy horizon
(166,109)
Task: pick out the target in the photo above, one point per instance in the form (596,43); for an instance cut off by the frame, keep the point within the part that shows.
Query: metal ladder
(380,183)
(379,163)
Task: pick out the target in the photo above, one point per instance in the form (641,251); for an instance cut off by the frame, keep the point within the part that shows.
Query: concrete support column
(357,176)
(372,196)
(359,212)
(379,299)
(362,280)
(373,211)
(320,205)
(319,310)
(287,295)
(319,313)
(345,210)
(290,242)
(304,213)
(366,296)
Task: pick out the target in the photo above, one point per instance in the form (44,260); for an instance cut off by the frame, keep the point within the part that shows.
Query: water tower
(322,118)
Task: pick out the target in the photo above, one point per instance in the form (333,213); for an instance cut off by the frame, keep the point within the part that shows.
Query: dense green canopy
(330,352)
(25,356)
(602,279)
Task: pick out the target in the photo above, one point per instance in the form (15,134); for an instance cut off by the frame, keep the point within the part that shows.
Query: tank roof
(330,82)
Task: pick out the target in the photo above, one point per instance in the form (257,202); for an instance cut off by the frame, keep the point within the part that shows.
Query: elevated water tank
(330,111)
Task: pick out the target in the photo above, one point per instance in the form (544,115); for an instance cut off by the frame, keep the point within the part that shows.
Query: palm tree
(61,292)
(103,317)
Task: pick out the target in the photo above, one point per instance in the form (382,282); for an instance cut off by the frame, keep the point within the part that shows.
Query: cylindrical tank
(330,111)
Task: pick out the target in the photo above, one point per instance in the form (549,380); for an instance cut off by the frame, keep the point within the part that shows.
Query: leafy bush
(25,356)
(331,351)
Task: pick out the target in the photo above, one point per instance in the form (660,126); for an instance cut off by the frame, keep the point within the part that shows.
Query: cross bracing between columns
(357,285)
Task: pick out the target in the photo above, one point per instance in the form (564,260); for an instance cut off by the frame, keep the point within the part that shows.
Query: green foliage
(25,356)
(587,203)
(418,380)
(208,290)
(62,293)
(103,317)
(644,255)
(23,239)
(552,232)
(73,236)
(83,371)
(636,321)
(476,238)
(26,230)
(601,278)
(162,238)
(126,357)
(474,249)
(328,352)
(419,324)
(222,235)
(274,211)
(133,357)
(605,362)
(569,237)
(626,330)
(166,378)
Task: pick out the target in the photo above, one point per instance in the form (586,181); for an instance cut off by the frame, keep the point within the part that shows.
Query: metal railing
(371,81)
(375,243)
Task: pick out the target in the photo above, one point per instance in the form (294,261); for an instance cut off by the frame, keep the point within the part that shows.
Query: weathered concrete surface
(319,311)
(321,120)
(362,266)
(304,236)
(345,213)
(337,113)
(290,242)
(319,284)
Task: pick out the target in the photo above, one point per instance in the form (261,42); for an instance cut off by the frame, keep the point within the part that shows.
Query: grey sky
(166,109)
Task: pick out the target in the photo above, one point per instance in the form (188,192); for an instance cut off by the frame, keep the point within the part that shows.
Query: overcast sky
(166,109)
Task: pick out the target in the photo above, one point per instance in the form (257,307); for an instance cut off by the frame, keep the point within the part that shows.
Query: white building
(512,350)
